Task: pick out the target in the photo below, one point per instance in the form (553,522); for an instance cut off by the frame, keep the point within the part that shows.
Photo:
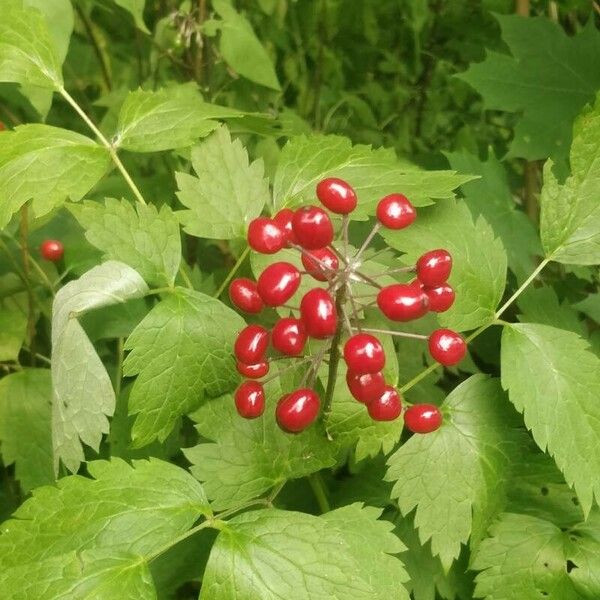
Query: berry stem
(345,222)
(405,334)
(398,270)
(326,268)
(354,308)
(318,487)
(282,371)
(367,241)
(232,273)
(366,279)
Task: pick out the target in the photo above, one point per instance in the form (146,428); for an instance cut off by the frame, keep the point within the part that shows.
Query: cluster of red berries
(326,313)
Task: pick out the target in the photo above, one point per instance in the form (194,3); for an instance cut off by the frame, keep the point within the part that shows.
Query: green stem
(233,271)
(318,487)
(119,367)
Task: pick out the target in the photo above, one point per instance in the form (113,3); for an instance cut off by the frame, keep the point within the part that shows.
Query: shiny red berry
(251,344)
(323,267)
(441,298)
(278,283)
(337,195)
(317,310)
(265,236)
(284,219)
(423,418)
(366,387)
(402,302)
(433,268)
(395,211)
(289,336)
(312,227)
(52,250)
(244,295)
(298,410)
(364,353)
(255,371)
(387,407)
(447,347)
(250,399)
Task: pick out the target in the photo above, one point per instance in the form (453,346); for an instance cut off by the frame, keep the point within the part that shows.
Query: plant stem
(24,235)
(405,334)
(87,25)
(119,367)
(318,487)
(367,241)
(186,279)
(233,271)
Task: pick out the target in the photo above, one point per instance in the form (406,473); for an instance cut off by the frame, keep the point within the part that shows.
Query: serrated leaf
(373,173)
(548,78)
(478,277)
(136,9)
(143,237)
(272,554)
(554,380)
(83,395)
(47,165)
(25,426)
(456,477)
(180,352)
(228,191)
(570,217)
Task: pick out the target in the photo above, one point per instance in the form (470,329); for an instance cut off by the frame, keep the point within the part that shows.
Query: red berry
(284,219)
(289,336)
(364,353)
(402,302)
(441,298)
(447,347)
(315,268)
(423,418)
(433,268)
(52,250)
(250,399)
(255,371)
(278,283)
(298,410)
(336,195)
(251,344)
(265,236)
(244,295)
(395,211)
(313,227)
(387,407)
(318,314)
(367,387)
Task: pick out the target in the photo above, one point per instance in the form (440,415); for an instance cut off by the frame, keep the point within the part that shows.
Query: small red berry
(402,302)
(364,353)
(367,387)
(298,410)
(315,268)
(441,298)
(244,295)
(52,250)
(313,227)
(278,283)
(447,347)
(255,371)
(284,219)
(336,195)
(318,314)
(395,211)
(387,407)
(265,236)
(250,399)
(423,418)
(433,268)
(289,336)
(251,344)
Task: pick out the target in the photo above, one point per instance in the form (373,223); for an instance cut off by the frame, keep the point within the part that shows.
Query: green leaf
(47,165)
(554,380)
(570,218)
(456,477)
(142,236)
(83,395)
(180,352)
(228,191)
(13,329)
(478,276)
(373,173)
(136,9)
(169,118)
(28,54)
(491,197)
(272,554)
(547,78)
(241,49)
(25,426)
